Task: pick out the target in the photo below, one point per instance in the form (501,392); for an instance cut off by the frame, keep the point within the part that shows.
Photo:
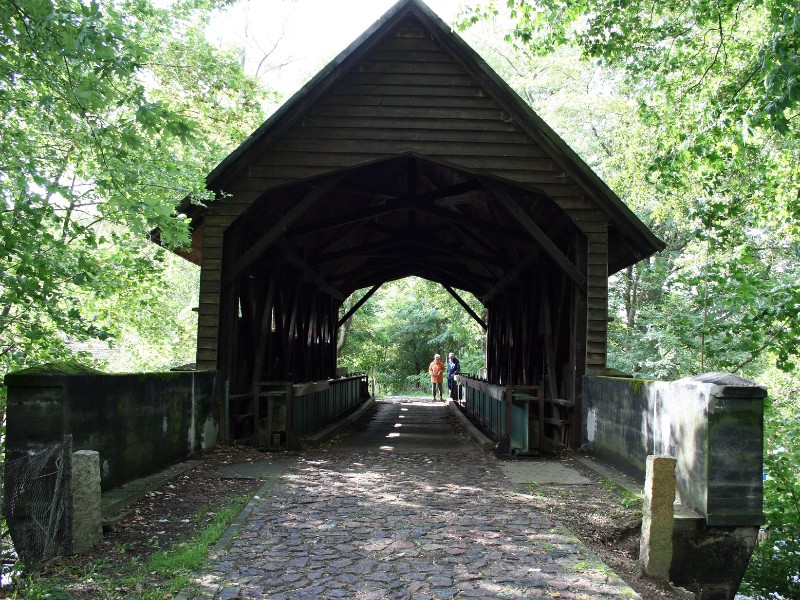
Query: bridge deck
(401,506)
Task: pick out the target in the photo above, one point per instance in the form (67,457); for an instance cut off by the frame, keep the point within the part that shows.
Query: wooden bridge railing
(513,415)
(316,405)
(280,411)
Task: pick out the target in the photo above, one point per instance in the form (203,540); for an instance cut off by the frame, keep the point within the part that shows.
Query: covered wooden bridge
(407,155)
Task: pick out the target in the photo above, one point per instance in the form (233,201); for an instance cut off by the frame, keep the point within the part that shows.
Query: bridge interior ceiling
(401,217)
(294,256)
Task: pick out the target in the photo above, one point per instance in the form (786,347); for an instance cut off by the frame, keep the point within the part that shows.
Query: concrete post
(87,528)
(655,550)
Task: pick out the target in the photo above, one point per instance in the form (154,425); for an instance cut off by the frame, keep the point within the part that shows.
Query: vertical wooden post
(578,340)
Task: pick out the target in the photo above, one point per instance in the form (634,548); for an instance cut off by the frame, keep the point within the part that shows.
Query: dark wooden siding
(409,95)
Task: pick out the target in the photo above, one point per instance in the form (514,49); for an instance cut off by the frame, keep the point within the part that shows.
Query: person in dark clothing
(453,369)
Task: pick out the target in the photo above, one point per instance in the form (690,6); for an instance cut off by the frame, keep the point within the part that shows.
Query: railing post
(504,447)
(291,440)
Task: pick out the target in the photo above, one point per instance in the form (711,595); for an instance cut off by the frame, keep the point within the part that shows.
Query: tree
(715,88)
(708,170)
(112,115)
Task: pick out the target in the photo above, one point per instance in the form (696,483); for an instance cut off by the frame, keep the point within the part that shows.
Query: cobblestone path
(403,507)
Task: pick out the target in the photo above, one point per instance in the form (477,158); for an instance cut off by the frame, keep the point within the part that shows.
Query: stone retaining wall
(139,423)
(712,424)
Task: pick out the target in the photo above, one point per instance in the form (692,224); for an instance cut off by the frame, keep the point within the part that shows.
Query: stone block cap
(731,385)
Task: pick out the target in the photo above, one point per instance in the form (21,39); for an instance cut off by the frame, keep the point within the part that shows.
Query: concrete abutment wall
(139,423)
(712,424)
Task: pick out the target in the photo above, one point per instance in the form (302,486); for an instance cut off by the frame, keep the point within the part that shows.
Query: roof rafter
(535,231)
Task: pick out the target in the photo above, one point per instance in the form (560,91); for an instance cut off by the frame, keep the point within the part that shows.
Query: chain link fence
(37,505)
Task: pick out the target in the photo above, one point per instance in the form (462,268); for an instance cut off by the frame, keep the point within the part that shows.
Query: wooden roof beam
(479,226)
(309,273)
(362,276)
(358,305)
(359,250)
(268,239)
(461,252)
(405,202)
(510,276)
(466,307)
(535,231)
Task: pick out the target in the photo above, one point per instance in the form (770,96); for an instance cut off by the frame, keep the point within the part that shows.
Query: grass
(627,499)
(583,566)
(165,572)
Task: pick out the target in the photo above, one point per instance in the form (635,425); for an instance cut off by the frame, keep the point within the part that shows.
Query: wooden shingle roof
(410,100)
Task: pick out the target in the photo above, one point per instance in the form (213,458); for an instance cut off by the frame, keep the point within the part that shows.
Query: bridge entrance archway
(408,155)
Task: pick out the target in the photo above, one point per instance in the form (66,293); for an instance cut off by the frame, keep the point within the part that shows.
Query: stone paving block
(434,524)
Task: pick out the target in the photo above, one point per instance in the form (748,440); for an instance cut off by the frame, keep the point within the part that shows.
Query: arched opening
(396,332)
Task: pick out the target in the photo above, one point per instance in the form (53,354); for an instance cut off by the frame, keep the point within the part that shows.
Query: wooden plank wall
(410,95)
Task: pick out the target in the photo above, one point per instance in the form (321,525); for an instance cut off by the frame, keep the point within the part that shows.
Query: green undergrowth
(162,575)
(627,498)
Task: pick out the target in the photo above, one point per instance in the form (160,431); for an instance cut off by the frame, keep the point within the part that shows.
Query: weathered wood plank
(597,370)
(547,189)
(596,358)
(589,225)
(537,171)
(429,92)
(428,54)
(578,202)
(596,314)
(208,321)
(299,164)
(585,213)
(208,356)
(211,286)
(413,34)
(274,162)
(376,113)
(378,79)
(597,293)
(599,328)
(422,43)
(478,139)
(287,174)
(596,337)
(308,151)
(410,68)
(209,297)
(597,304)
(227,212)
(597,284)
(207,343)
(212,241)
(427,101)
(414,124)
(598,259)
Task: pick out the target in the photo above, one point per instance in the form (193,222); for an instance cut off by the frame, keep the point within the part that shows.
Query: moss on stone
(637,385)
(62,367)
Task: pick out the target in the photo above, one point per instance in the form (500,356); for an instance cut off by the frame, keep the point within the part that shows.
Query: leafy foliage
(112,113)
(775,564)
(689,111)
(724,294)
(398,330)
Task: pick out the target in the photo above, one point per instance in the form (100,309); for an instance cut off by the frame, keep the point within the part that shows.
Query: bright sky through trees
(303,35)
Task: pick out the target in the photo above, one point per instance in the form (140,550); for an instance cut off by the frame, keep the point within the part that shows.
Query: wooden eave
(344,247)
(632,233)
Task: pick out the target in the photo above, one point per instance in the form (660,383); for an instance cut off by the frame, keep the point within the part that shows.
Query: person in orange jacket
(436,370)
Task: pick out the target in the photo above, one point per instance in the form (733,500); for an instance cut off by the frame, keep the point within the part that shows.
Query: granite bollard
(87,528)
(658,512)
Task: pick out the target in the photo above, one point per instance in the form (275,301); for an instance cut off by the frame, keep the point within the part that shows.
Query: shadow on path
(402,505)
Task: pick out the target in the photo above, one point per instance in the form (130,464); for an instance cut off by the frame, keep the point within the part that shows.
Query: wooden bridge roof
(408,155)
